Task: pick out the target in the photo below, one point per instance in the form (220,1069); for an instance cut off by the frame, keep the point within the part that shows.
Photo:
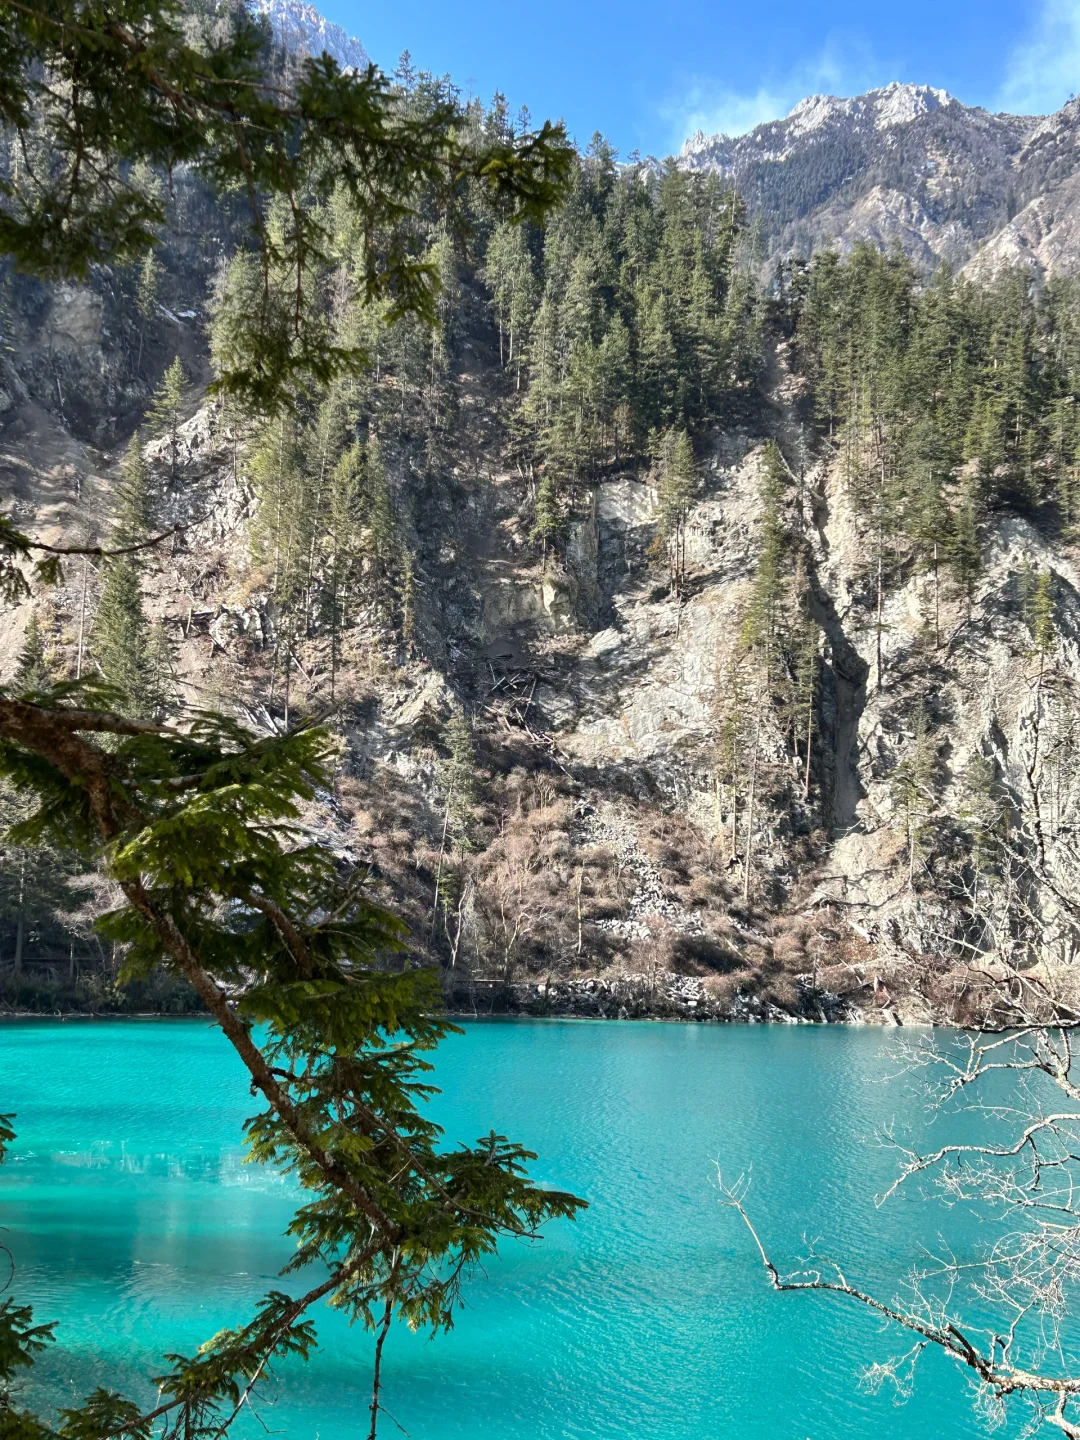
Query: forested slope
(696,645)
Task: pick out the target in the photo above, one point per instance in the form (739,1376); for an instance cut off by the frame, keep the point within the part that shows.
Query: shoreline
(664,997)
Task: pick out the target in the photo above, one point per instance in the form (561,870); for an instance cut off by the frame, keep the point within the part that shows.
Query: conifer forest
(453,569)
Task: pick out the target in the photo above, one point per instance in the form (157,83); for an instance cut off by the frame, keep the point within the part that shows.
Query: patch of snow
(817,110)
(299,26)
(898,104)
(892,106)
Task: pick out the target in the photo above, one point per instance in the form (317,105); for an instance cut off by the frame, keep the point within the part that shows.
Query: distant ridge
(906,165)
(299,26)
(910,165)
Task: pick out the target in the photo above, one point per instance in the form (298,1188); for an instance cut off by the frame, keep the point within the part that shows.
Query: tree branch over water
(1024,1285)
(308,978)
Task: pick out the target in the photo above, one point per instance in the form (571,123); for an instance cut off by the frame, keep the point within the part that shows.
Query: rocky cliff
(579,843)
(909,165)
(605,871)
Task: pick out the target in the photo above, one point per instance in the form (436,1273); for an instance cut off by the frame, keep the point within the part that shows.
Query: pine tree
(731,767)
(615,372)
(550,520)
(40,664)
(132,518)
(280,538)
(509,275)
(146,298)
(459,779)
(345,523)
(129,655)
(761,629)
(382,533)
(965,549)
(912,787)
(678,482)
(159,672)
(927,517)
(120,639)
(460,791)
(165,412)
(30,670)
(1042,616)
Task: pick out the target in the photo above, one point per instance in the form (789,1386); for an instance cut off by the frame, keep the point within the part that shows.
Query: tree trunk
(20,924)
(82,622)
(880,612)
(750,824)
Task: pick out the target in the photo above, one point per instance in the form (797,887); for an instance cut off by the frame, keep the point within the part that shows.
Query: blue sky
(649,72)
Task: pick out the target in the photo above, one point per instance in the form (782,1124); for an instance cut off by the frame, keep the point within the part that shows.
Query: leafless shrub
(1003,1316)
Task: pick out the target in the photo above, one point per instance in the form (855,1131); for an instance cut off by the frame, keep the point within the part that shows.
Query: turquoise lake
(133,1221)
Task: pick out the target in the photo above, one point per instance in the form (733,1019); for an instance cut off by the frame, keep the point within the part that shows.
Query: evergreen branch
(111,552)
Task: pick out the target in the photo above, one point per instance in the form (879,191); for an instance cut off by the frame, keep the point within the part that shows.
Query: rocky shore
(661,996)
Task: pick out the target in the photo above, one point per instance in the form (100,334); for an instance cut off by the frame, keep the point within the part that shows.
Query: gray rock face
(908,164)
(299,26)
(1043,238)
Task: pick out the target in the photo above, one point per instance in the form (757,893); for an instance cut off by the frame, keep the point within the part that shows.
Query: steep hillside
(603,866)
(692,648)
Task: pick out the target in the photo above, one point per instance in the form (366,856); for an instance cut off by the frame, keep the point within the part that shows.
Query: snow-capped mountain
(909,164)
(299,26)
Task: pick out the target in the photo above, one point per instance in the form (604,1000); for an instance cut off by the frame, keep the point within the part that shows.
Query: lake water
(134,1223)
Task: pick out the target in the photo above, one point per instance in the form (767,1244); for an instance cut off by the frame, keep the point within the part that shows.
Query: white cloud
(1044,69)
(842,68)
(725,112)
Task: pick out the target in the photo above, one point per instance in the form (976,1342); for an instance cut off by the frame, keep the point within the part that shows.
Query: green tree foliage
(124,83)
(146,298)
(943,401)
(460,790)
(643,317)
(131,656)
(912,788)
(121,635)
(166,412)
(769,687)
(765,616)
(131,509)
(295,962)
(1041,615)
(550,517)
(458,776)
(675,492)
(382,545)
(40,663)
(509,273)
(39,898)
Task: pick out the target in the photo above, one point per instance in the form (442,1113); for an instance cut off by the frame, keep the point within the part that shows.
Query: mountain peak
(899,104)
(893,104)
(299,26)
(904,163)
